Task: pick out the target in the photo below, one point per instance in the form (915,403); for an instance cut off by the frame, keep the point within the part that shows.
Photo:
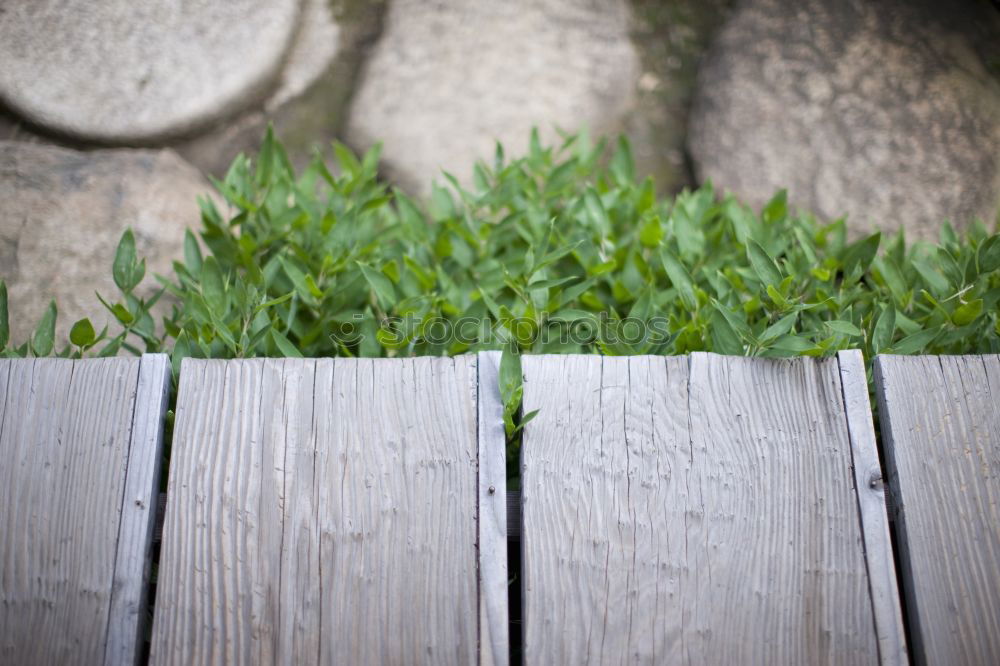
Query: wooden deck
(697,511)
(323,511)
(79,456)
(941,426)
(692,510)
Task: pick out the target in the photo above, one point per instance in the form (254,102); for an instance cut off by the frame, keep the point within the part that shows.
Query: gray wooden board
(870,485)
(322,511)
(78,449)
(693,510)
(940,423)
(493,608)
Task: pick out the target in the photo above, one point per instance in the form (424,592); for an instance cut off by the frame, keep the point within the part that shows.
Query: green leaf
(298,278)
(946,262)
(932,278)
(622,163)
(571,315)
(534,145)
(736,319)
(45,333)
(794,344)
(266,158)
(369,162)
(777,298)
(859,256)
(122,314)
(284,345)
(509,374)
(212,287)
(821,274)
(651,233)
(511,390)
(775,210)
(892,276)
(112,347)
(947,234)
(192,253)
(780,327)
(375,204)
(763,265)
(680,278)
(525,420)
(82,334)
(596,210)
(381,285)
(967,312)
(124,269)
(390,339)
(643,306)
(551,284)
(916,342)
(723,336)
(274,301)
(180,351)
(843,327)
(313,288)
(346,159)
(884,328)
(988,255)
(602,268)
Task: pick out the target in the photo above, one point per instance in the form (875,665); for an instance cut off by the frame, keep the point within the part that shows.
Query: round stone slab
(884,111)
(63,214)
(124,71)
(447,79)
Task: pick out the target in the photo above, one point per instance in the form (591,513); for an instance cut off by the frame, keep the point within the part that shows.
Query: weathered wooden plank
(398,551)
(203,418)
(321,512)
(601,472)
(493,609)
(941,439)
(127,617)
(300,554)
(701,514)
(72,444)
(870,488)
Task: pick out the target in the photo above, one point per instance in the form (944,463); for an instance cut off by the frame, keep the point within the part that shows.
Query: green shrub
(558,251)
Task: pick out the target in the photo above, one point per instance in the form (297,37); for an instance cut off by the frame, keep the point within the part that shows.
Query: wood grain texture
(691,511)
(322,511)
(212,518)
(870,487)
(72,440)
(494,614)
(941,437)
(127,616)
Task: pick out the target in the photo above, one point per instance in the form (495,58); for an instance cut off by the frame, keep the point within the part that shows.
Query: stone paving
(476,71)
(875,110)
(887,112)
(127,72)
(63,214)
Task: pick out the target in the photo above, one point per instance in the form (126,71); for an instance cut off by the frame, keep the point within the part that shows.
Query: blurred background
(112,113)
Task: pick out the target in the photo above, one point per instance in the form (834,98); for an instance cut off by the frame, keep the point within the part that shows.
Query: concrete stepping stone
(448,78)
(63,214)
(305,105)
(122,71)
(885,111)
